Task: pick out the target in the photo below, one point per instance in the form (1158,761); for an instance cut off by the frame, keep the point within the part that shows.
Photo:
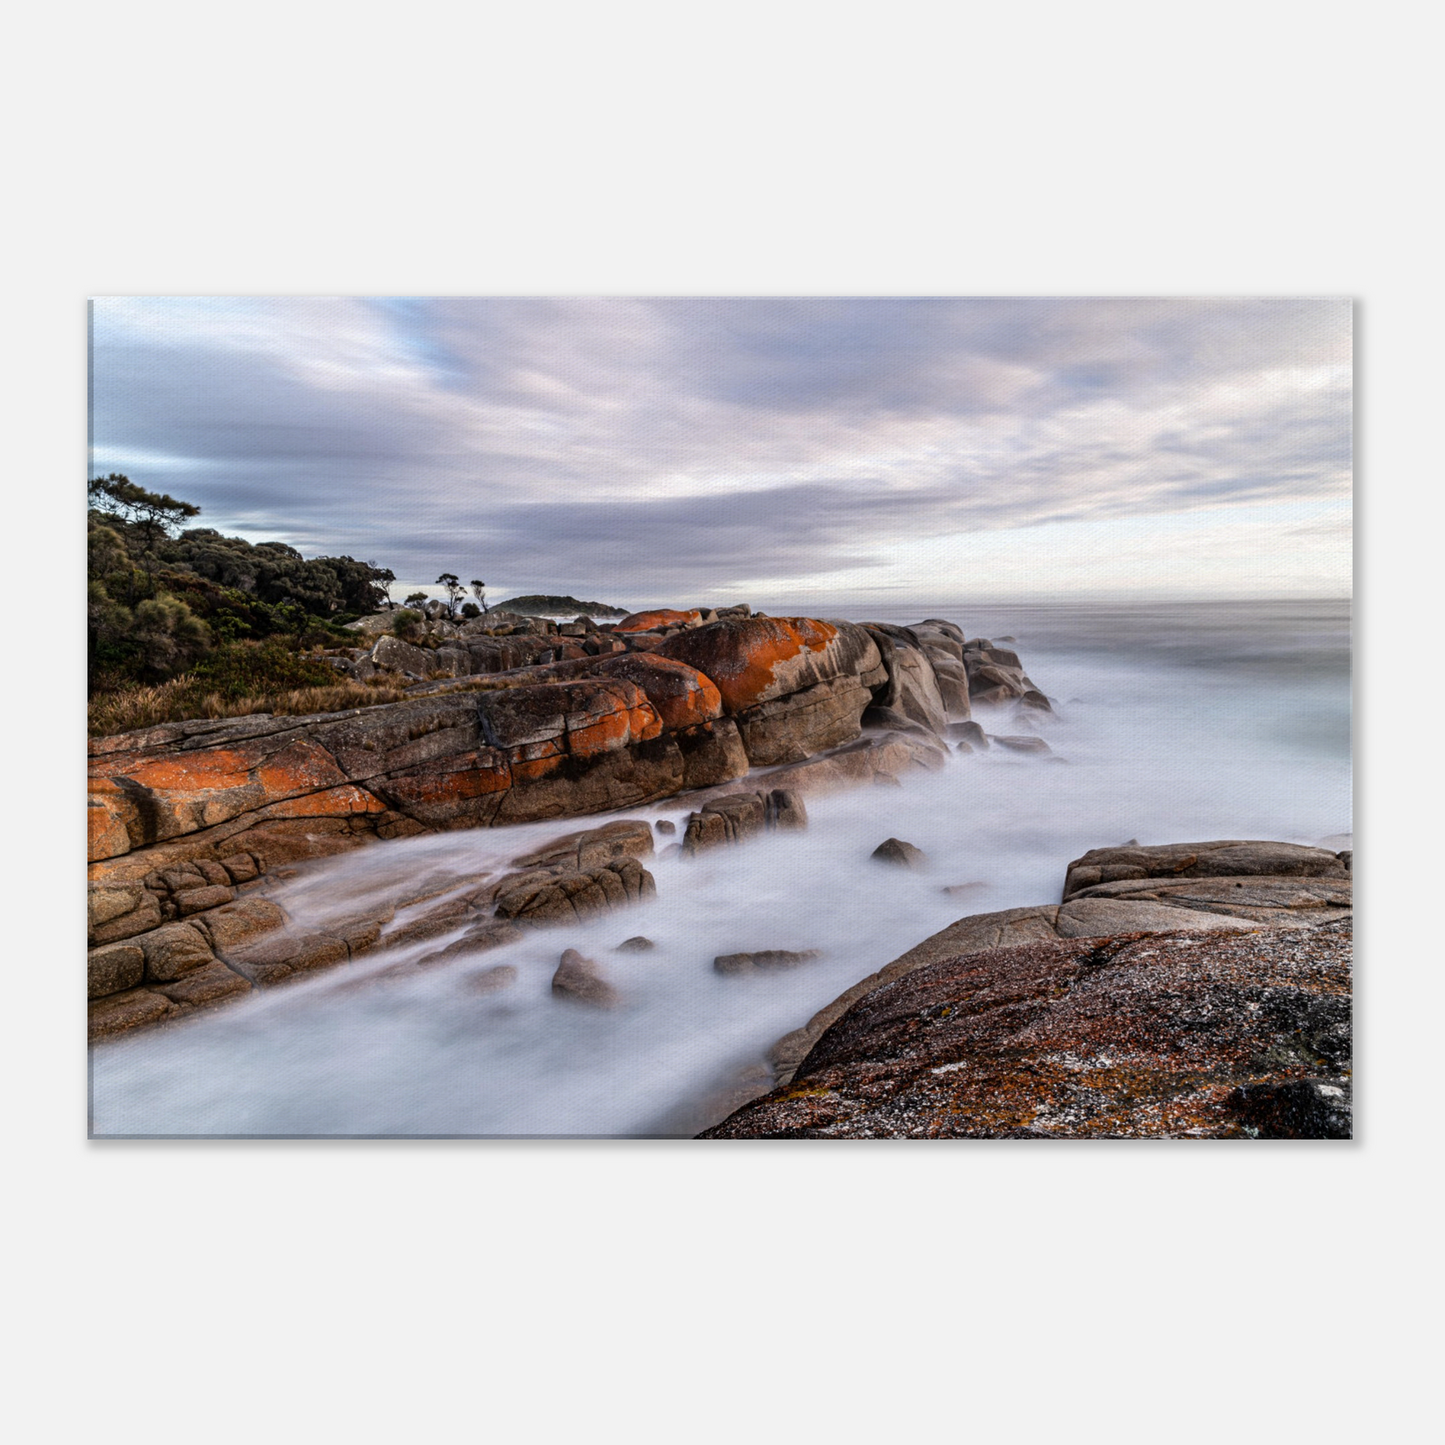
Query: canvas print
(720,718)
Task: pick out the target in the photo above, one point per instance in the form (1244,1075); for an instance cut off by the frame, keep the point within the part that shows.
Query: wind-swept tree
(151,516)
(454,590)
(479,591)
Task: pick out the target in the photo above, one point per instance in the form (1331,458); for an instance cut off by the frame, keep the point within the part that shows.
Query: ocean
(1175,722)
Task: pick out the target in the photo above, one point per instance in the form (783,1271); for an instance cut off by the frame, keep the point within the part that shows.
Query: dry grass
(180,700)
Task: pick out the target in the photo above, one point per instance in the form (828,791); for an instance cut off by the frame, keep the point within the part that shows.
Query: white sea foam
(1174,725)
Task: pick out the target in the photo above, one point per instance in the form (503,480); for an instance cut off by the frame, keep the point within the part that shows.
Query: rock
(577,978)
(240,867)
(395,655)
(1022,743)
(117,913)
(635,944)
(123,1011)
(658,617)
(968,732)
(785,810)
(965,890)
(114,967)
(735,817)
(195,900)
(591,848)
(275,959)
(912,685)
(548,899)
(680,695)
(803,723)
(731,819)
(753,660)
(489,980)
(172,950)
(1289,902)
(768,960)
(239,922)
(479,938)
(900,854)
(209,985)
(1203,1035)
(1295,1109)
(1222,858)
(665,826)
(1033,701)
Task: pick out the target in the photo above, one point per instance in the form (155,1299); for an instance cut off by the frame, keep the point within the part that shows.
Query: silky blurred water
(1175,723)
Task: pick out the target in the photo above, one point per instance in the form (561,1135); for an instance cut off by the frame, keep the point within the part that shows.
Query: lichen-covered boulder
(658,617)
(753,660)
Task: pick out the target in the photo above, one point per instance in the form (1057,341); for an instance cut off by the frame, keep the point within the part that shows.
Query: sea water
(1173,723)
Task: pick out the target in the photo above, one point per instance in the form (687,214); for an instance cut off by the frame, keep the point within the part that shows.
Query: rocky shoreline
(1185,991)
(1155,998)
(522,722)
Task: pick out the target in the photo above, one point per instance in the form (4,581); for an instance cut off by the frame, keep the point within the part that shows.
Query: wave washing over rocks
(253,969)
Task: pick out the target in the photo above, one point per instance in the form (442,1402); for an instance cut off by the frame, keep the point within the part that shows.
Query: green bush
(407,624)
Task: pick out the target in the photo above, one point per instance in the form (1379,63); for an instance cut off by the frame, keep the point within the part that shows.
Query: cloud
(696,446)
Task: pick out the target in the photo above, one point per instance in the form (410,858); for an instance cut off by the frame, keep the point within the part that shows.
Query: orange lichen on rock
(330,803)
(681,695)
(753,659)
(658,617)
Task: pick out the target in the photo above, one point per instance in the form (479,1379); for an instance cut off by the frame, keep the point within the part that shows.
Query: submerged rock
(900,854)
(766,960)
(578,978)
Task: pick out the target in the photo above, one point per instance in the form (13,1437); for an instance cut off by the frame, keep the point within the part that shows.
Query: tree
(150,515)
(455,592)
(479,591)
(417,600)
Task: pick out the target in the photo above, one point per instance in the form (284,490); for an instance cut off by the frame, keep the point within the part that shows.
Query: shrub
(407,624)
(250,669)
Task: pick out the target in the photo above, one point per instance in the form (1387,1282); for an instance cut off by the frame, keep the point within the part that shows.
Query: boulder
(578,978)
(275,959)
(134,1008)
(546,898)
(395,655)
(172,950)
(900,854)
(968,732)
(658,617)
(489,980)
(681,696)
(636,944)
(204,987)
(753,660)
(240,922)
(1222,858)
(768,960)
(912,686)
(1021,743)
(735,817)
(1197,1035)
(591,848)
(804,723)
(113,967)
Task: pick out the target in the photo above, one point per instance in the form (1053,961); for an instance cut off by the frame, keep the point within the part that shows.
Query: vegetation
(183,622)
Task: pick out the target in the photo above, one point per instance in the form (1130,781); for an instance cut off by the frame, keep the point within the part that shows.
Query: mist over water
(1176,723)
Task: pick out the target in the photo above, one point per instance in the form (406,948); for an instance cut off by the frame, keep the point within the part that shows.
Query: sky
(778,451)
